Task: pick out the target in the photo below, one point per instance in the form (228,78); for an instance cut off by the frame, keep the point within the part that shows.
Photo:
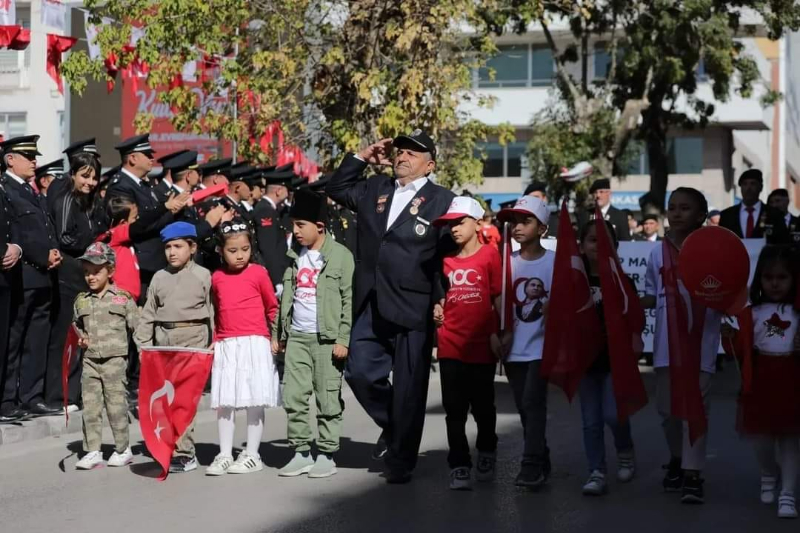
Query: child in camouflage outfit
(103,316)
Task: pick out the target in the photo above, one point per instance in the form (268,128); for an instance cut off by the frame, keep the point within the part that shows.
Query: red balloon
(714,267)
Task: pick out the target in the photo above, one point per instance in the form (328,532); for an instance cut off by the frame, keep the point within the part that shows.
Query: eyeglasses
(234,227)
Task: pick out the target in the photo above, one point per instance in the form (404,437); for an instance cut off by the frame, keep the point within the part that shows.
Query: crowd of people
(358,279)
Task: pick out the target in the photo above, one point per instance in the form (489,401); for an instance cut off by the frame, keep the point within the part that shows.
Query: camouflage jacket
(105,321)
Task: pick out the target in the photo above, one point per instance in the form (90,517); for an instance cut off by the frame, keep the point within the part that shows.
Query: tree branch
(561,71)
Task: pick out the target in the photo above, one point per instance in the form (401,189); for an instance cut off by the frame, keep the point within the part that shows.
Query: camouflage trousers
(188,337)
(104,384)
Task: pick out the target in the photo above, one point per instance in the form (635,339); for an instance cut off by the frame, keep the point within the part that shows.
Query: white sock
(226,423)
(255,428)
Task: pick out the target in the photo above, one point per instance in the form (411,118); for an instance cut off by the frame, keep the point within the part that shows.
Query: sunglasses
(234,227)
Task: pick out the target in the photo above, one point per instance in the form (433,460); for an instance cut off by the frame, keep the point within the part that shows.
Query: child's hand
(339,351)
(83,342)
(506,342)
(496,346)
(438,313)
(277,347)
(727,331)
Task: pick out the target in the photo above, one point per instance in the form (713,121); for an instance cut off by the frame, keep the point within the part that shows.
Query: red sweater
(126,270)
(245,301)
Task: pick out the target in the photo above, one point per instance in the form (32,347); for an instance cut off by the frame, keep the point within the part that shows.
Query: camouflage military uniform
(104,320)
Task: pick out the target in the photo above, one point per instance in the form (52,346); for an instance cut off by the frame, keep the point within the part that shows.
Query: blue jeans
(598,408)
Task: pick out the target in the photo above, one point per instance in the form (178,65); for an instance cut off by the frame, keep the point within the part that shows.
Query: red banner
(70,352)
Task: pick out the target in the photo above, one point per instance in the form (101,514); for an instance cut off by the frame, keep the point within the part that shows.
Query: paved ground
(40,491)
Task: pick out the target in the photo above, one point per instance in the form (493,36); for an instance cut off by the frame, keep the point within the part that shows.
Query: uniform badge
(265,222)
(381,204)
(420,230)
(119,300)
(415,203)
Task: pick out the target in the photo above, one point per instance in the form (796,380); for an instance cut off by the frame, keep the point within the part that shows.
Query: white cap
(460,207)
(527,205)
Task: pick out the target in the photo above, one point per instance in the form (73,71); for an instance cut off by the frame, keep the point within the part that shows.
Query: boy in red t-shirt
(467,330)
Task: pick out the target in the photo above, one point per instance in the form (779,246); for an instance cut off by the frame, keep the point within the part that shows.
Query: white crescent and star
(167,390)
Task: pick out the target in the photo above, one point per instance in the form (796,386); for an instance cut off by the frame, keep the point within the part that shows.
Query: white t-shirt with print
(654,286)
(304,310)
(775,327)
(531,282)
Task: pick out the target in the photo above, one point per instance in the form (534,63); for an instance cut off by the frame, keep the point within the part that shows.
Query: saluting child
(103,317)
(314,327)
(178,312)
(467,328)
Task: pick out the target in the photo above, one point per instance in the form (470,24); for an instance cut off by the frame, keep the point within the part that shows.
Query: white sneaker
(596,484)
(246,463)
(121,459)
(786,508)
(626,466)
(90,460)
(220,465)
(768,486)
(72,408)
(461,478)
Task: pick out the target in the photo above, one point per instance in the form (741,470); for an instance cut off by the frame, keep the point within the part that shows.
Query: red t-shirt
(489,235)
(469,317)
(126,270)
(244,301)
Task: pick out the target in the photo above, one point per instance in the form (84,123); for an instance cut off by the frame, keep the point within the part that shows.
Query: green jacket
(334,294)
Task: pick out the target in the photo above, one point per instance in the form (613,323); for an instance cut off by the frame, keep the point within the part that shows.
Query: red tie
(750,222)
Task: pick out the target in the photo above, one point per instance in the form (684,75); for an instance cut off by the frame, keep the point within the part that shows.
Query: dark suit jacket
(794,231)
(617,218)
(401,264)
(271,240)
(9,234)
(36,232)
(770,224)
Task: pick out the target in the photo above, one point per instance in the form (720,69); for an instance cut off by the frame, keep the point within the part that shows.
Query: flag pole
(503,295)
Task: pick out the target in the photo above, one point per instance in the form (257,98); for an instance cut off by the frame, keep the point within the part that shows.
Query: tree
(336,74)
(655,49)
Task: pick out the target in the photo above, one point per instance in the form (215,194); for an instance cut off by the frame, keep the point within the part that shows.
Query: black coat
(402,265)
(9,234)
(148,246)
(36,232)
(75,230)
(794,231)
(770,224)
(271,239)
(617,218)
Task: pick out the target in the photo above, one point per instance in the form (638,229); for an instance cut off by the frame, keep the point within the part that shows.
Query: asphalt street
(40,490)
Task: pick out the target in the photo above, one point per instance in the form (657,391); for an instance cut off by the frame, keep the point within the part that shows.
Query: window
(503,161)
(514,153)
(518,66)
(12,125)
(602,60)
(685,155)
(639,163)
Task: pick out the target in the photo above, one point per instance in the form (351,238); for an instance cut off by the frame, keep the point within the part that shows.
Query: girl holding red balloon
(767,346)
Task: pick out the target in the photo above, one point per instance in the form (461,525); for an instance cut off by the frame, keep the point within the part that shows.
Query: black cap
(418,139)
(319,185)
(240,172)
(282,172)
(602,183)
(713,213)
(21,145)
(297,182)
(536,186)
(52,168)
(186,160)
(309,205)
(751,174)
(649,217)
(139,143)
(215,166)
(165,158)
(254,179)
(86,146)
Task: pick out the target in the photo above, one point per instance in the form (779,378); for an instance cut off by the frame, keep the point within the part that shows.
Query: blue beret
(178,230)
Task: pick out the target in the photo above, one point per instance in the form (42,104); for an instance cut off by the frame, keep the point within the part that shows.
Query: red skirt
(773,406)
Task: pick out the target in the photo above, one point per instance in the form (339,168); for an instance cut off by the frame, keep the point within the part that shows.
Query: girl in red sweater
(244,375)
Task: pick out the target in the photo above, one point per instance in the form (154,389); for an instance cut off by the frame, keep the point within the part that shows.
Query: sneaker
(626,466)
(768,486)
(90,460)
(324,466)
(381,447)
(531,477)
(485,469)
(121,459)
(220,465)
(596,484)
(299,465)
(182,464)
(73,408)
(246,464)
(786,508)
(673,479)
(461,478)
(692,490)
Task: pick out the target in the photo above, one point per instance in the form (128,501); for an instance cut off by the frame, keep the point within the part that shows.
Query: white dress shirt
(17,178)
(604,210)
(402,196)
(743,214)
(134,178)
(787,219)
(653,237)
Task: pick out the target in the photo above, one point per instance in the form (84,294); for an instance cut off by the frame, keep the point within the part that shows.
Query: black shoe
(182,464)
(531,477)
(692,490)
(673,479)
(133,398)
(398,476)
(380,449)
(42,409)
(12,414)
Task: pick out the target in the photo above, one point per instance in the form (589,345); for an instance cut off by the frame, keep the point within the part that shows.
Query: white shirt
(653,237)
(180,191)
(532,280)
(134,178)
(17,178)
(267,198)
(743,214)
(787,219)
(654,286)
(775,328)
(247,205)
(604,210)
(402,196)
(304,308)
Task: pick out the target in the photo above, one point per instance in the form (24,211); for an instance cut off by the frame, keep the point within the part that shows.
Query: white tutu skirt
(244,374)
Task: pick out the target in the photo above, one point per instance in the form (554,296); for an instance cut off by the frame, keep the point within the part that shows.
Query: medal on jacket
(421,227)
(415,203)
(381,205)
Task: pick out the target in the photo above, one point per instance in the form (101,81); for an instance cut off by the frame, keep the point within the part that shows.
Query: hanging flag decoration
(8,12)
(57,45)
(54,15)
(14,37)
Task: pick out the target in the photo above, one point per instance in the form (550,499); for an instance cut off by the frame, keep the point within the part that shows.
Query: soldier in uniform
(271,236)
(779,200)
(601,194)
(165,178)
(47,175)
(26,360)
(752,219)
(103,316)
(212,173)
(239,191)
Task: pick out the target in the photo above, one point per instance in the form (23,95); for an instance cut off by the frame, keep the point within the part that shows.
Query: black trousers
(468,387)
(26,361)
(63,303)
(530,397)
(378,347)
(5,325)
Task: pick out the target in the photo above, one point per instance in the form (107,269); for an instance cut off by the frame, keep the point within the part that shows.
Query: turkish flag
(507,313)
(573,325)
(624,322)
(57,45)
(219,190)
(14,37)
(171,382)
(70,352)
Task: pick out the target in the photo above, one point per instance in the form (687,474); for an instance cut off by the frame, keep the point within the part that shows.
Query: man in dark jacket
(601,194)
(398,270)
(271,235)
(752,219)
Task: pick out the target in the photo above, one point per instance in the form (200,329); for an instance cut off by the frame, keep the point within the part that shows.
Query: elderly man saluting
(397,277)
